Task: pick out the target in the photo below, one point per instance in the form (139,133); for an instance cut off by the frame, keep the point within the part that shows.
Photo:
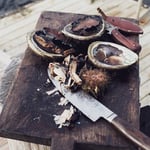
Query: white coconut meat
(48,81)
(67,60)
(63,101)
(51,92)
(120,61)
(58,71)
(61,120)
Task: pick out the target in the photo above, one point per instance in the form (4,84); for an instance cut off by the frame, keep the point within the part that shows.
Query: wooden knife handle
(132,133)
(125,41)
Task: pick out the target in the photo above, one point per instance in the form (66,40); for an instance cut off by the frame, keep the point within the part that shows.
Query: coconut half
(86,30)
(101,58)
(39,51)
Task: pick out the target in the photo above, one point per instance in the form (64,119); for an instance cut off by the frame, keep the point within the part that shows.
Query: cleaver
(94,110)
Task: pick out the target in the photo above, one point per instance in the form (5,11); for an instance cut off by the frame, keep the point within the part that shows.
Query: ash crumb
(37,118)
(38,89)
(131,89)
(48,81)
(78,123)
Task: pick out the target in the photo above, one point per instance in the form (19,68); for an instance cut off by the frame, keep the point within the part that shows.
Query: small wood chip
(61,120)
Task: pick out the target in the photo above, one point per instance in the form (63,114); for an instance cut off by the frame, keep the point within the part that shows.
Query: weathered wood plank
(19,145)
(145,101)
(20,49)
(4,59)
(144,39)
(22,27)
(3,141)
(36,9)
(145,76)
(144,63)
(117,8)
(33,9)
(145,51)
(145,17)
(4,147)
(33,67)
(13,43)
(144,89)
(20,32)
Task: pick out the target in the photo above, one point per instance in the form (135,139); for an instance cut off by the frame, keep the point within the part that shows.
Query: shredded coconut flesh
(61,120)
(63,101)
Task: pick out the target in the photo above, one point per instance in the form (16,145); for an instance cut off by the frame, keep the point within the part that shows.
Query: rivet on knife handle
(125,41)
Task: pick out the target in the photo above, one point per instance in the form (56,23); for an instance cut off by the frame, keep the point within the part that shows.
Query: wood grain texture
(28,113)
(132,133)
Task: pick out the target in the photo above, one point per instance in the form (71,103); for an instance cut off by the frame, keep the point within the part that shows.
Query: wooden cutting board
(28,111)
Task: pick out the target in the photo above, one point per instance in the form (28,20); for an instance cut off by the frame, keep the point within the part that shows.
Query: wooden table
(28,111)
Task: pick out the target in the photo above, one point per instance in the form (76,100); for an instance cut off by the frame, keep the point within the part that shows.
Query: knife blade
(94,110)
(121,38)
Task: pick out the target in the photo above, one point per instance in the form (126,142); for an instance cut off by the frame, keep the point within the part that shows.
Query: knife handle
(132,133)
(125,41)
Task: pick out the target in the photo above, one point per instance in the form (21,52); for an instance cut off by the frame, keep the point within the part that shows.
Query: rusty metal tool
(119,37)
(121,24)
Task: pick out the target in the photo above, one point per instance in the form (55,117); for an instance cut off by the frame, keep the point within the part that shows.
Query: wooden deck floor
(13,30)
